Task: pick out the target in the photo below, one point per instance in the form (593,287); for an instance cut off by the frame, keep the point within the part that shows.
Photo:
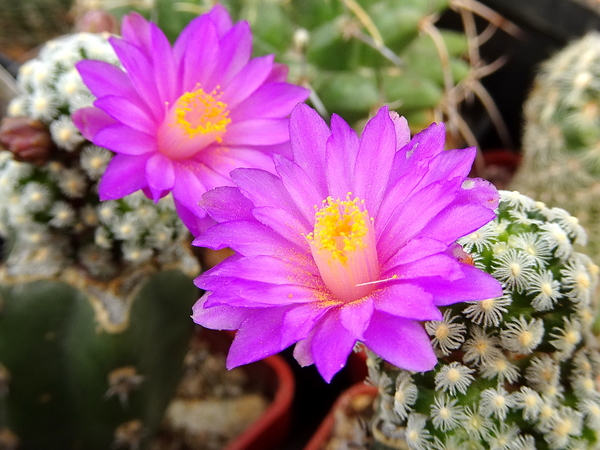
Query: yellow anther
(199,112)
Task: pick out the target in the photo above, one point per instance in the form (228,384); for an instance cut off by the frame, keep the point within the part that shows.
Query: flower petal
(302,191)
(355,316)
(196,62)
(160,173)
(128,113)
(140,70)
(247,80)
(259,336)
(402,342)
(269,101)
(374,160)
(221,317)
(409,301)
(90,121)
(122,139)
(309,148)
(226,203)
(341,149)
(476,285)
(330,345)
(124,175)
(257,132)
(234,53)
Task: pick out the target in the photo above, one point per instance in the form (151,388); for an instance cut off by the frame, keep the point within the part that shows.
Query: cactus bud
(28,139)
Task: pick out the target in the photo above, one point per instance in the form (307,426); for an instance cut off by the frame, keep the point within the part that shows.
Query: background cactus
(516,372)
(94,297)
(29,23)
(561,140)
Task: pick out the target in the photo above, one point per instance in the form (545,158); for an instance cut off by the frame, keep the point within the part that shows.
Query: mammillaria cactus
(561,140)
(94,297)
(515,372)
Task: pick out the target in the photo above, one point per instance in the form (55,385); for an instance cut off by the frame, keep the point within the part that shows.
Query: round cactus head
(515,372)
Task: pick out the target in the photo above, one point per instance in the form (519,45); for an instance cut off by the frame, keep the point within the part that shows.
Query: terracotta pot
(346,403)
(270,430)
(272,377)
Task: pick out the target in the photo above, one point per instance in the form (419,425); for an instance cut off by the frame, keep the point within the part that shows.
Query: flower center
(196,120)
(343,247)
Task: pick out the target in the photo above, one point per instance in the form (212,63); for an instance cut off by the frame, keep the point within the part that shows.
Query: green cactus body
(95,297)
(63,346)
(516,372)
(561,140)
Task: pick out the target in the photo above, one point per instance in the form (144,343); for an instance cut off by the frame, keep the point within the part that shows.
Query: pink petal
(476,285)
(221,19)
(457,221)
(196,62)
(341,150)
(196,220)
(128,113)
(270,101)
(330,345)
(188,189)
(167,80)
(103,79)
(409,301)
(140,70)
(248,238)
(265,269)
(422,147)
(401,128)
(374,160)
(257,132)
(259,336)
(416,249)
(278,74)
(450,164)
(308,135)
(218,317)
(91,120)
(235,52)
(355,316)
(438,264)
(160,173)
(136,30)
(285,224)
(122,139)
(300,187)
(247,80)
(303,353)
(124,175)
(402,342)
(265,189)
(421,208)
(227,203)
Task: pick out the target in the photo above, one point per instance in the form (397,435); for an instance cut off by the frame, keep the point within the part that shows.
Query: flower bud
(28,139)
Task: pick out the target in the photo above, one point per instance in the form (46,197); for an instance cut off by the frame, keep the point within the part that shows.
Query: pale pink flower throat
(196,120)
(344,248)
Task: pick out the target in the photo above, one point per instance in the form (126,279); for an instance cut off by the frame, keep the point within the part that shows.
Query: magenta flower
(353,240)
(181,118)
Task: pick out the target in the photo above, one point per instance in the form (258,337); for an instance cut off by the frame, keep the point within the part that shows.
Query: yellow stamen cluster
(340,227)
(200,112)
